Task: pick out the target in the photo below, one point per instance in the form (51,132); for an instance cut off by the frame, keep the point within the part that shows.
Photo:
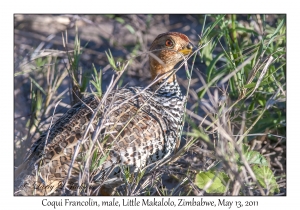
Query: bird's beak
(187,50)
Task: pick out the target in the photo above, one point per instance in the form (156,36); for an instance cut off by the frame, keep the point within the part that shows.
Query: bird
(139,127)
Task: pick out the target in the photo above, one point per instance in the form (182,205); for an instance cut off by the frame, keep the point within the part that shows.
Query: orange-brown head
(168,49)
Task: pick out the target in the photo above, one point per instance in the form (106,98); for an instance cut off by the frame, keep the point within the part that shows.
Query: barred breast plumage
(139,127)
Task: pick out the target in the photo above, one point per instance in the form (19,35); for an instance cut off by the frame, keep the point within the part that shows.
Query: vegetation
(234,139)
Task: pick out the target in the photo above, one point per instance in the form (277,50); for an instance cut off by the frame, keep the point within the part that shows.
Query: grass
(234,138)
(245,106)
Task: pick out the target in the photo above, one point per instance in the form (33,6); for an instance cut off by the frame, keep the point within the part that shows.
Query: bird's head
(166,51)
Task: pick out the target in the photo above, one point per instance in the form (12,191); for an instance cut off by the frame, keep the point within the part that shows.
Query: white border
(153,6)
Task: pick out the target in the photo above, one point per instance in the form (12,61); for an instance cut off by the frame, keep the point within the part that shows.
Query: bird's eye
(169,43)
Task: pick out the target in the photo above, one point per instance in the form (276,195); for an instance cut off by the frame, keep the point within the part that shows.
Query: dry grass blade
(225,79)
(261,76)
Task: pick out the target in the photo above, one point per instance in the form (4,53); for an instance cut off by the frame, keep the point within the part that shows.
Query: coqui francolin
(139,127)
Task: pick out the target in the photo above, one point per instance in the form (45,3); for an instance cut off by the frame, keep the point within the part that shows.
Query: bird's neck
(167,85)
(157,69)
(168,89)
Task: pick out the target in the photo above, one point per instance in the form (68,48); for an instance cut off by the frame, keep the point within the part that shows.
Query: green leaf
(120,20)
(219,181)
(140,175)
(111,60)
(206,53)
(96,163)
(211,26)
(97,81)
(245,148)
(252,157)
(198,133)
(212,66)
(130,28)
(250,85)
(102,160)
(37,85)
(246,30)
(265,178)
(126,172)
(272,36)
(84,83)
